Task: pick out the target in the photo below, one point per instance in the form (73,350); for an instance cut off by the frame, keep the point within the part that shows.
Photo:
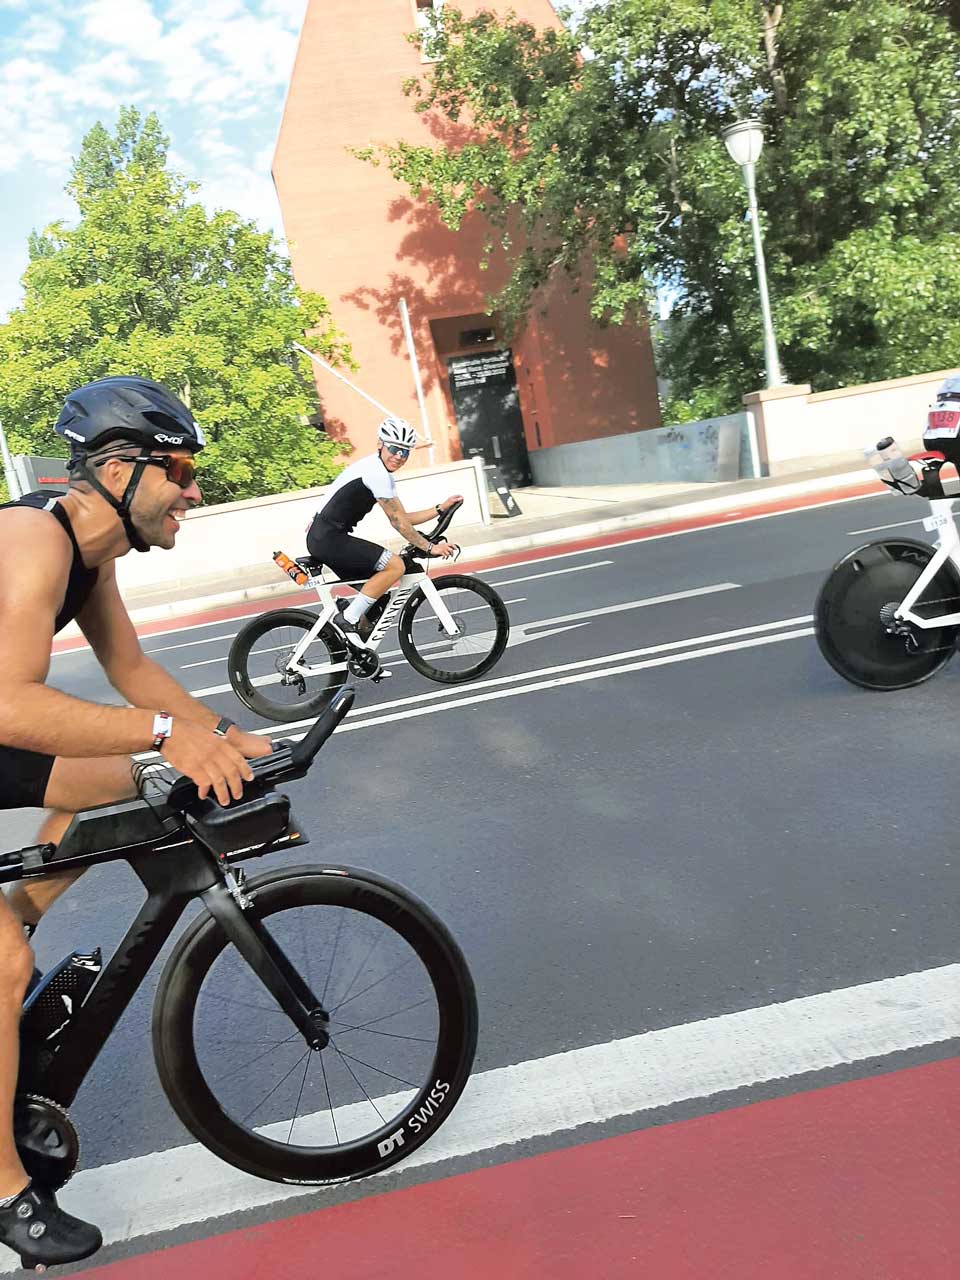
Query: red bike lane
(856,1181)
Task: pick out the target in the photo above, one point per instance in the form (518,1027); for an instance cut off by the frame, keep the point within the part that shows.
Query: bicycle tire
(421,662)
(248,684)
(175,1015)
(848,626)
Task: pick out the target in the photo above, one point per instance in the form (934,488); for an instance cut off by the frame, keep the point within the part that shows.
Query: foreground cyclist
(132,468)
(346,502)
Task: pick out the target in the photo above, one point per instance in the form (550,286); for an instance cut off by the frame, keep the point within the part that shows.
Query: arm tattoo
(393,508)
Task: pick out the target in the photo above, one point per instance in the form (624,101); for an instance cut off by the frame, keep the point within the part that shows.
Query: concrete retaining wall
(695,451)
(797,429)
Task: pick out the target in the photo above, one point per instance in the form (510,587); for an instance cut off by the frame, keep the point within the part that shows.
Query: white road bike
(888,614)
(287,664)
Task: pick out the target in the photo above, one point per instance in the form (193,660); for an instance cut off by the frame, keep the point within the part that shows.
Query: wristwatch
(162,729)
(224,725)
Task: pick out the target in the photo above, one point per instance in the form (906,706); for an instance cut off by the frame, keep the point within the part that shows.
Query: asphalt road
(621,841)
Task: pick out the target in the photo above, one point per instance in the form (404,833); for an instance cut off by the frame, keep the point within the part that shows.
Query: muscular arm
(143,682)
(403,523)
(33,577)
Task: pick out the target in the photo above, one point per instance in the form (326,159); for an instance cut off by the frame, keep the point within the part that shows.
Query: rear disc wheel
(854,613)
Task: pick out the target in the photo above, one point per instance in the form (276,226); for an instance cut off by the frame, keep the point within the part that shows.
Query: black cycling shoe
(35,1227)
(362,628)
(350,631)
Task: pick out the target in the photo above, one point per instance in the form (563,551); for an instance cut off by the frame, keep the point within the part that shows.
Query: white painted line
(572,679)
(191,644)
(560,1093)
(552,573)
(496,681)
(878,528)
(586,614)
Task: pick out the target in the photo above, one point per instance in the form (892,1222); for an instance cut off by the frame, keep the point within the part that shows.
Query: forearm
(403,524)
(151,686)
(421,517)
(35,717)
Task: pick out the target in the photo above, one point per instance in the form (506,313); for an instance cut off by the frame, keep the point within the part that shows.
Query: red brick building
(356,236)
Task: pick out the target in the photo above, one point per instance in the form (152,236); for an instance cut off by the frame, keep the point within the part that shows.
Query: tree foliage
(148,282)
(603,142)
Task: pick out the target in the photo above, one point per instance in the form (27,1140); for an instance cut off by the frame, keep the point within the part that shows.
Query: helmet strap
(121,505)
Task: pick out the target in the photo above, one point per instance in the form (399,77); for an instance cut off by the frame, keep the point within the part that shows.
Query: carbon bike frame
(173,872)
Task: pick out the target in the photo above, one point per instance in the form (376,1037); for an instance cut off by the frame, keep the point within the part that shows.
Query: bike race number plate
(936,522)
(943,424)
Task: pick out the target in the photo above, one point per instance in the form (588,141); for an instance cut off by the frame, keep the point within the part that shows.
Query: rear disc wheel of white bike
(260,671)
(855,608)
(483,629)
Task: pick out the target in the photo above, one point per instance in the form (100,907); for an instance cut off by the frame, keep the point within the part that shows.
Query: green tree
(148,282)
(602,143)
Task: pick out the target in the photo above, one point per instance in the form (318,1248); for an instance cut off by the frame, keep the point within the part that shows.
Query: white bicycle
(888,615)
(287,664)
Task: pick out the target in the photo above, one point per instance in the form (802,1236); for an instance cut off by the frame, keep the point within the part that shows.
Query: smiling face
(159,505)
(393,461)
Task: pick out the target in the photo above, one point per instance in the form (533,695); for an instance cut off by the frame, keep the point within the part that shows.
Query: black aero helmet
(131,411)
(126,408)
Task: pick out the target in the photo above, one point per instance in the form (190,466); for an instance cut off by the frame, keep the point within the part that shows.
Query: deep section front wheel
(483,629)
(855,607)
(259,665)
(402,1030)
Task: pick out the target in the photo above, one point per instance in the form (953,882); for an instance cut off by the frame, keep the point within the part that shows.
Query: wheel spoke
(296,1109)
(271,1092)
(379,1070)
(358,994)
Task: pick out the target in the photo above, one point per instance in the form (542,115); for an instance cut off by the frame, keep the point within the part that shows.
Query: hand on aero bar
(208,760)
(443,549)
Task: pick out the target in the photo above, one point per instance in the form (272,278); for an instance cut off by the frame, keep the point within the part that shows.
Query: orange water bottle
(290,568)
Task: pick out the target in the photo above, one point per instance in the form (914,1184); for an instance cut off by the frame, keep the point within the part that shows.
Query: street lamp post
(744,142)
(8,472)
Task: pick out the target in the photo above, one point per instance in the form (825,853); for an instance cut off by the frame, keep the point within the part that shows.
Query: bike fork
(268,961)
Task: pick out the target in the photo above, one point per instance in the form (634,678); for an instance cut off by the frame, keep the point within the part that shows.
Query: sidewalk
(549,516)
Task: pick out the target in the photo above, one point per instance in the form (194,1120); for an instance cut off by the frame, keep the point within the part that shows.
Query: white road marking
(191,644)
(585,614)
(559,1093)
(495,681)
(878,528)
(579,678)
(552,573)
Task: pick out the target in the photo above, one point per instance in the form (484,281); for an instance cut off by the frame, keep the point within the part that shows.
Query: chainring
(47,1142)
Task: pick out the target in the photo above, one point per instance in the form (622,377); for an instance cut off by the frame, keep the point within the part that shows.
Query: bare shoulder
(35,555)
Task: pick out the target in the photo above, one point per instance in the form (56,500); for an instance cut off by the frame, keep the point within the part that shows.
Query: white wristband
(162,729)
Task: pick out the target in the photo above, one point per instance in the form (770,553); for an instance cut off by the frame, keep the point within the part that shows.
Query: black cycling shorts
(23,778)
(352,559)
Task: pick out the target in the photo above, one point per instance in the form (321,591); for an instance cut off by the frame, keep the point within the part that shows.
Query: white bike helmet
(397,431)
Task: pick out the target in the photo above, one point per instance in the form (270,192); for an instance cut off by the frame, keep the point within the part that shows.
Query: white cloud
(41,34)
(289,12)
(115,67)
(129,23)
(260,49)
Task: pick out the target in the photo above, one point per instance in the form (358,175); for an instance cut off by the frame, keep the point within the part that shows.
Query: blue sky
(215,71)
